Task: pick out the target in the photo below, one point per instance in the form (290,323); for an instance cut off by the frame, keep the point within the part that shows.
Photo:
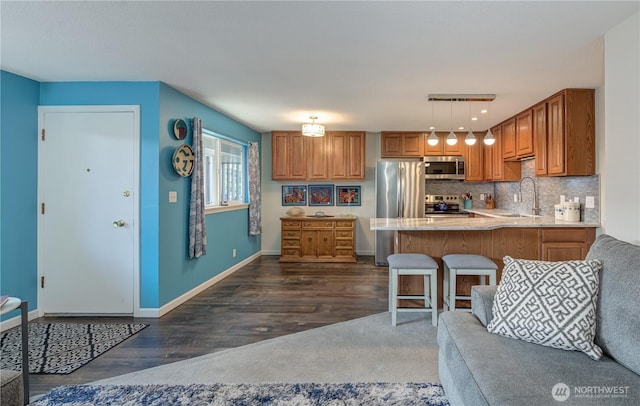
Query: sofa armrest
(482,302)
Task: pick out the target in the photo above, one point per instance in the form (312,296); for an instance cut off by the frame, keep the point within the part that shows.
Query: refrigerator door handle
(400,191)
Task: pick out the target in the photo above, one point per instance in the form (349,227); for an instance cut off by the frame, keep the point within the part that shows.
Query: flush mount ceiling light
(312,129)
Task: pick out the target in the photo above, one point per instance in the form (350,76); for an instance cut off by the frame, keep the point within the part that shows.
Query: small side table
(12,304)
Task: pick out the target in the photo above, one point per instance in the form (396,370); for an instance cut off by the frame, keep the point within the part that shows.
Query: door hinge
(43,134)
(42,208)
(42,282)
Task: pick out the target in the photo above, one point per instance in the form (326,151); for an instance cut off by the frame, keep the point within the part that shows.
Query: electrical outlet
(562,198)
(234,252)
(576,199)
(590,202)
(173,197)
(515,197)
(482,196)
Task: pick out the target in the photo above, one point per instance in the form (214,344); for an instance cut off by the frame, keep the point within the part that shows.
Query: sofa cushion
(478,368)
(548,303)
(617,316)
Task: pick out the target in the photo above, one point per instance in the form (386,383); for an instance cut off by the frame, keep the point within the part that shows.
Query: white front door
(88,229)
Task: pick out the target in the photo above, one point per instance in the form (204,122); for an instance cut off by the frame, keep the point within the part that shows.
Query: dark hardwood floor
(262,300)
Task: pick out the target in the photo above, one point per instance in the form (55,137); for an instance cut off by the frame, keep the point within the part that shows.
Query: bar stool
(464,264)
(413,264)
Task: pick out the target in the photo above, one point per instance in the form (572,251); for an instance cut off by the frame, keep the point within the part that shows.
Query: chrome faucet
(535,208)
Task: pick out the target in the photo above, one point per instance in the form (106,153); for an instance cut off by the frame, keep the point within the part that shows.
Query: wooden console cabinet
(323,239)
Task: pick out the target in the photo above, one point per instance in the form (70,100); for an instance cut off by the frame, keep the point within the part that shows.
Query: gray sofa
(480,368)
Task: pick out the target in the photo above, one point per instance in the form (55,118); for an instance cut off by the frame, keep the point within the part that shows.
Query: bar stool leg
(427,299)
(445,289)
(434,299)
(452,289)
(394,295)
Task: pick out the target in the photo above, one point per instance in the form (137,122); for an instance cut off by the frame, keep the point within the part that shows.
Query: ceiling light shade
(452,139)
(489,139)
(470,139)
(312,129)
(432,139)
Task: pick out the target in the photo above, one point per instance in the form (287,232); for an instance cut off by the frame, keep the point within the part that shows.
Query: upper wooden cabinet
(347,155)
(571,133)
(524,134)
(539,120)
(339,155)
(287,156)
(442,148)
(495,167)
(474,165)
(509,139)
(401,144)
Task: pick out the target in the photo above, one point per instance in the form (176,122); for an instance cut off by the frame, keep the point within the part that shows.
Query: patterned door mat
(61,348)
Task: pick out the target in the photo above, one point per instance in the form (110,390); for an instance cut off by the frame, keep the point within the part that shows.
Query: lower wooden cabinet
(564,244)
(307,239)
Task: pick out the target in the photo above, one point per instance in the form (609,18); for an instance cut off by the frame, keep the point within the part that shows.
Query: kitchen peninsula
(528,237)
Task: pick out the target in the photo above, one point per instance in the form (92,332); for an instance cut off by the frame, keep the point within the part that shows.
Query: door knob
(119,223)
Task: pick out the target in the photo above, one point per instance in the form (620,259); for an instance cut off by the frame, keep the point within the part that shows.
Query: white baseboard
(159,312)
(15,321)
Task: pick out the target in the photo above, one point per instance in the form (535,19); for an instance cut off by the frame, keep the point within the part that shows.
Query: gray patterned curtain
(255,205)
(197,220)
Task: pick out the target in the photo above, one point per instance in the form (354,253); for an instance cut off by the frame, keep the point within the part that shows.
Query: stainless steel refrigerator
(399,193)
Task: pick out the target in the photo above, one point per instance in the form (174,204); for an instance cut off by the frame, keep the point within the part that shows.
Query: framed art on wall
(320,195)
(294,195)
(348,195)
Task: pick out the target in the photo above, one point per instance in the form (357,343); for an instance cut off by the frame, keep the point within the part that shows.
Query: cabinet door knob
(309,239)
(325,238)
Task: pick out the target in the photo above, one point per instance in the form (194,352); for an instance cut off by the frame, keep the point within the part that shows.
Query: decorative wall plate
(180,129)
(183,159)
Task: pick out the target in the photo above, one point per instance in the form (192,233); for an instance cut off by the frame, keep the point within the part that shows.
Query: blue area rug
(248,394)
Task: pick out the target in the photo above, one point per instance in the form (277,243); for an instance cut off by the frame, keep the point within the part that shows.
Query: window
(224,169)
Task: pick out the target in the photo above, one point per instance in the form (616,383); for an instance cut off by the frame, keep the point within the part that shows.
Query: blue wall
(18,191)
(225,231)
(166,272)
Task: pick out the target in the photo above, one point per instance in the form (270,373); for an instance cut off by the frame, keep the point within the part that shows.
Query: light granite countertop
(470,223)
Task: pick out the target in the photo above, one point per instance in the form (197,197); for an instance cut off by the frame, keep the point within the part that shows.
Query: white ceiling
(357,65)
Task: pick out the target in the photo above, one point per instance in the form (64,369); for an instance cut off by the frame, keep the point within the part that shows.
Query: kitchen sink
(518,215)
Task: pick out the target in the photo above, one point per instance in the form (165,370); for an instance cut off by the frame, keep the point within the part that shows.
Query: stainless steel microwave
(444,167)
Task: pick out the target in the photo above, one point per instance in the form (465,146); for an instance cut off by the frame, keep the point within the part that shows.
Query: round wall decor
(180,129)
(183,159)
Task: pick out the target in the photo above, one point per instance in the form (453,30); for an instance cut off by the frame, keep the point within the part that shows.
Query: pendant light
(489,139)
(470,139)
(432,139)
(312,129)
(451,138)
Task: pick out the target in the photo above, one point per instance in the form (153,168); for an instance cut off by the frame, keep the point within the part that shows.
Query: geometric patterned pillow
(548,303)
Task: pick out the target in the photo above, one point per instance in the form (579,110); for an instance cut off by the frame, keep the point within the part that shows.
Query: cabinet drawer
(344,252)
(565,235)
(344,224)
(344,234)
(290,233)
(295,252)
(290,224)
(317,224)
(344,243)
(291,242)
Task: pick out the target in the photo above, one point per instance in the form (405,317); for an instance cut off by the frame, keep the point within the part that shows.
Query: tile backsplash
(549,191)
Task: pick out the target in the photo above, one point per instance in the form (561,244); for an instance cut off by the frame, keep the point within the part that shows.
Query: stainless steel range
(443,206)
